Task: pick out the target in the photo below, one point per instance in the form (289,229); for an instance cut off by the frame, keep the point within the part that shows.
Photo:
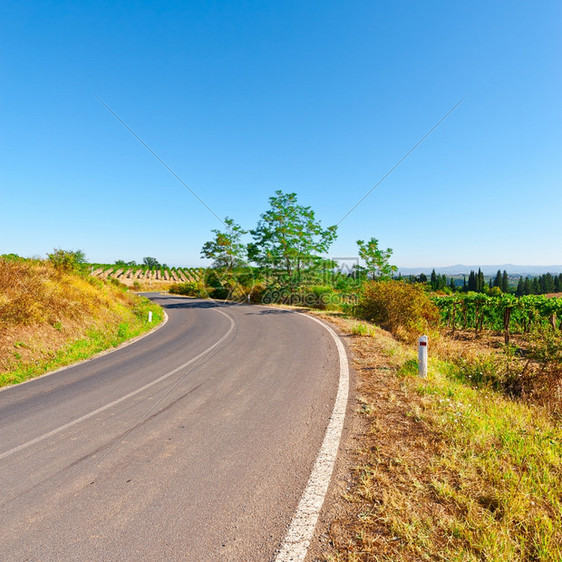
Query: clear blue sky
(321,98)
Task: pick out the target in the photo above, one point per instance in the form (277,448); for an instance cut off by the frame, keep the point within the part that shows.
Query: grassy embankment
(50,318)
(455,466)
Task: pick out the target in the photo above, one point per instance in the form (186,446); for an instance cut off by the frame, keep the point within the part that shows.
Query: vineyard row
(175,275)
(505,313)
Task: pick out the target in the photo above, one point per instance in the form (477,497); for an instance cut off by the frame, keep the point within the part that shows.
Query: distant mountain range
(488,270)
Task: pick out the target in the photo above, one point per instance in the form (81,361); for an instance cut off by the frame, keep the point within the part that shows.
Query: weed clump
(195,289)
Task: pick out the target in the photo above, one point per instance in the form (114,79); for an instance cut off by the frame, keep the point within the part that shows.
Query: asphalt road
(194,443)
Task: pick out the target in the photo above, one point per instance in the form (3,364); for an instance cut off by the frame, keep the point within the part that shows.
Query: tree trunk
(506,319)
(476,318)
(453,319)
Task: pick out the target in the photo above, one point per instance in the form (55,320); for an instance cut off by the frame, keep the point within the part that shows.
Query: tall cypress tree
(536,289)
(505,282)
(480,281)
(498,279)
(472,281)
(434,283)
(528,287)
(520,288)
(542,287)
(548,283)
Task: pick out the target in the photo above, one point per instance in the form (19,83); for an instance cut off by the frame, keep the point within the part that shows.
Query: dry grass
(446,470)
(43,310)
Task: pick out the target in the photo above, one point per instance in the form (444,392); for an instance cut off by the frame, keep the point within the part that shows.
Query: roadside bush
(257,292)
(219,293)
(190,289)
(69,261)
(317,296)
(403,309)
(314,296)
(242,282)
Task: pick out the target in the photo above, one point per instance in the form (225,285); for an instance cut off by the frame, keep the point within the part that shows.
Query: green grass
(359,330)
(451,467)
(501,469)
(95,341)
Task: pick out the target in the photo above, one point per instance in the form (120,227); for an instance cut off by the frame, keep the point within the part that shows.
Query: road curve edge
(301,530)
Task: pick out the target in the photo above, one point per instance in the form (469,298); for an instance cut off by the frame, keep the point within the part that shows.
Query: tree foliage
(541,285)
(376,259)
(68,260)
(152,263)
(289,237)
(226,248)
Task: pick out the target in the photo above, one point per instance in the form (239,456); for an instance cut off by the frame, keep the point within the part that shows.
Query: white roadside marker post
(422,356)
(149,316)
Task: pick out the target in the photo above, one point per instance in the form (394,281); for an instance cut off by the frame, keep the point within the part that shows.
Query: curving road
(194,443)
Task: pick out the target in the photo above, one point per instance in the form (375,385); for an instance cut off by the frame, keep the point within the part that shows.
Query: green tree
(505,282)
(520,288)
(434,283)
(528,287)
(152,263)
(548,283)
(472,285)
(498,279)
(376,259)
(226,248)
(68,260)
(536,290)
(288,236)
(480,281)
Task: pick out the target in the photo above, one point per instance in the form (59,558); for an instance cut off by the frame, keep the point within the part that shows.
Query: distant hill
(459,269)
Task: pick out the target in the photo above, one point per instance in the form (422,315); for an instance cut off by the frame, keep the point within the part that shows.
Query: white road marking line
(119,400)
(301,530)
